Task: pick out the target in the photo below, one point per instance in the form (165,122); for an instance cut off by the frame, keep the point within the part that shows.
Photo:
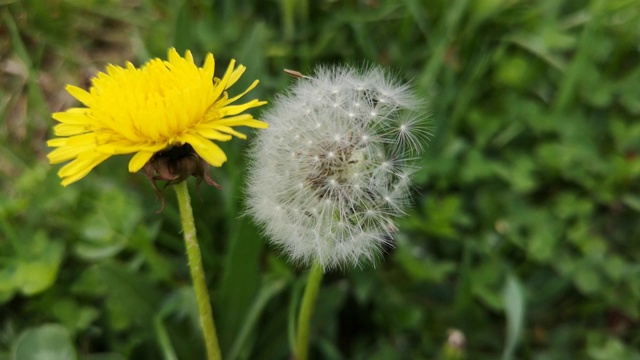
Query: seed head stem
(306,311)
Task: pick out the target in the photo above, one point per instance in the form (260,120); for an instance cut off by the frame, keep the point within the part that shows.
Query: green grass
(524,235)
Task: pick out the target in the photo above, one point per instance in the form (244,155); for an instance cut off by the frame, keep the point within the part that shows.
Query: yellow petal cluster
(144,110)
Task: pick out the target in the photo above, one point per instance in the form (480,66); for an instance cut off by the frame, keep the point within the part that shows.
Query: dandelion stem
(306,310)
(197,273)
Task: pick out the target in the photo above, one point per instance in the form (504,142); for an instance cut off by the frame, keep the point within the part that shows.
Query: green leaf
(442,214)
(50,342)
(132,297)
(607,347)
(73,315)
(514,306)
(421,267)
(629,91)
(39,274)
(109,227)
(587,279)
(108,356)
(485,284)
(240,281)
(615,267)
(269,289)
(33,272)
(542,245)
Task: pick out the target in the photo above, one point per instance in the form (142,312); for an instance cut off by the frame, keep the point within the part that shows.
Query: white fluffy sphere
(331,173)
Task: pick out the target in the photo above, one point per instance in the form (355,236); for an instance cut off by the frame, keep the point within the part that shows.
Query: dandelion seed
(349,177)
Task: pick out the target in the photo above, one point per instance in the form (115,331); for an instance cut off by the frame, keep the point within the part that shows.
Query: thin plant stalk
(197,272)
(306,311)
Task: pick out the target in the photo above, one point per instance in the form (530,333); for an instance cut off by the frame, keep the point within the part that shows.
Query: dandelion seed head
(339,169)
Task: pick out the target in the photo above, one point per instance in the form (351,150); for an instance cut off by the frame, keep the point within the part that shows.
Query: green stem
(197,273)
(306,310)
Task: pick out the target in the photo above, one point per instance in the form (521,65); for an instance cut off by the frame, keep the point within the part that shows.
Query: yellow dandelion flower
(146,110)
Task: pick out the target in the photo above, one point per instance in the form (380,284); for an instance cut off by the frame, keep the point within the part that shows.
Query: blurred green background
(524,235)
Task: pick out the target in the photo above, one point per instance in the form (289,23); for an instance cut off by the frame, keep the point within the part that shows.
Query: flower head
(149,110)
(331,174)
